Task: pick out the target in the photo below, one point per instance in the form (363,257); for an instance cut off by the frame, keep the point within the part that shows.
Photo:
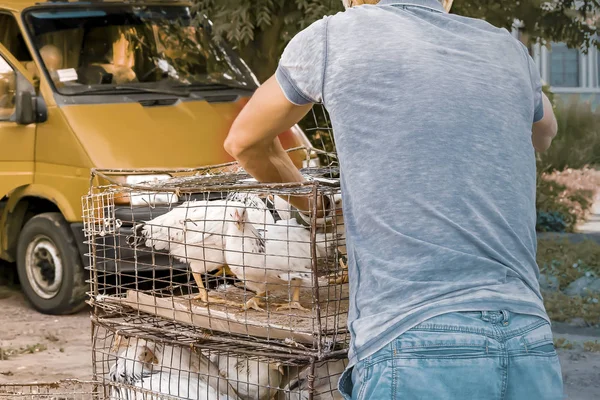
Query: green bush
(559,207)
(578,141)
(552,214)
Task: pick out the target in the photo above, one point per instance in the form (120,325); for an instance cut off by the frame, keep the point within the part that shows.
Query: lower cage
(134,365)
(68,389)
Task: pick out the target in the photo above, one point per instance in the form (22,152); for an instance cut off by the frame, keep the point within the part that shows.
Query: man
(436,119)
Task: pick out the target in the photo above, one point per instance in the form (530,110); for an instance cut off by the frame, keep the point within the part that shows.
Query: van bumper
(114,254)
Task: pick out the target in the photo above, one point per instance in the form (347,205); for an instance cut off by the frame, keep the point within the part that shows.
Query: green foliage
(261,28)
(561,308)
(593,347)
(560,209)
(562,343)
(568,261)
(578,141)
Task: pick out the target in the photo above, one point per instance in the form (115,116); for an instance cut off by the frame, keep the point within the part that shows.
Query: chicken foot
(294,304)
(205,298)
(343,278)
(255,302)
(224,271)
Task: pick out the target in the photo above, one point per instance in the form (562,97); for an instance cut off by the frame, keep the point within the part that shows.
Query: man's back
(436,118)
(432,115)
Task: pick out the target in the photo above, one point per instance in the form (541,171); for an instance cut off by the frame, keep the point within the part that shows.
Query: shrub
(578,141)
(563,201)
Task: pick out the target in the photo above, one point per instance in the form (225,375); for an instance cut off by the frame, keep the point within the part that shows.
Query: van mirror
(29,107)
(25,113)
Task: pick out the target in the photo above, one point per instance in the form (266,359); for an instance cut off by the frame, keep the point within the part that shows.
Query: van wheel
(49,266)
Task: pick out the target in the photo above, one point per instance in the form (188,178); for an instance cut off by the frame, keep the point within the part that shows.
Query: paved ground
(592,226)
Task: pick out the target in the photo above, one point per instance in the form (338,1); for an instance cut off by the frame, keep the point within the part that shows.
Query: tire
(49,266)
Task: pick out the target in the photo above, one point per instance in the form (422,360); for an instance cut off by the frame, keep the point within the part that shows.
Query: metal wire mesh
(214,249)
(129,362)
(69,389)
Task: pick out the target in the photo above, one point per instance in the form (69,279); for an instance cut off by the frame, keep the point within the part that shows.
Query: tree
(260,29)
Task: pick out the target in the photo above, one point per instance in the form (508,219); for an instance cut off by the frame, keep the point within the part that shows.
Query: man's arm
(545,129)
(253,140)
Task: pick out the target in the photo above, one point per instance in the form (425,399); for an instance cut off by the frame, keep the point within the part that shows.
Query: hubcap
(44,267)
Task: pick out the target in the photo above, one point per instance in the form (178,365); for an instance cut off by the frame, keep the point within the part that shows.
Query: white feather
(168,370)
(325,382)
(251,379)
(193,231)
(281,253)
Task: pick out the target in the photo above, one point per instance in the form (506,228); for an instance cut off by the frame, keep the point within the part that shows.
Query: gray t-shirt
(432,115)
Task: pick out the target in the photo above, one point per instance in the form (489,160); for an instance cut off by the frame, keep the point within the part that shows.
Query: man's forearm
(271,164)
(253,139)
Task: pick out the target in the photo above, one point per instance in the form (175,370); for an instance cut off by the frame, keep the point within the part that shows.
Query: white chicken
(325,382)
(251,379)
(193,233)
(281,255)
(168,370)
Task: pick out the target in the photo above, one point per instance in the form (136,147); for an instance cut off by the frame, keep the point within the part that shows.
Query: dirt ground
(41,348)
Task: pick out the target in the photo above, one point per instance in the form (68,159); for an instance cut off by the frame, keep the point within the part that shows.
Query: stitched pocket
(423,344)
(538,342)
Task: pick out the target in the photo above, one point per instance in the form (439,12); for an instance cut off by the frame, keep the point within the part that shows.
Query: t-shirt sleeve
(302,65)
(536,84)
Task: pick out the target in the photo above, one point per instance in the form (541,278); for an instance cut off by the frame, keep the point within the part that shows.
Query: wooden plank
(217,318)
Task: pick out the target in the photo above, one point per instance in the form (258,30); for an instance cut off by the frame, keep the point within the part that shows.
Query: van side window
(7,90)
(12,38)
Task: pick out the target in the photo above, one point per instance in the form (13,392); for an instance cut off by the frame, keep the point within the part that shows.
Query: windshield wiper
(212,86)
(126,88)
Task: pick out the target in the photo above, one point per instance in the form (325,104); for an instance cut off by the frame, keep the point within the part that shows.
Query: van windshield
(150,48)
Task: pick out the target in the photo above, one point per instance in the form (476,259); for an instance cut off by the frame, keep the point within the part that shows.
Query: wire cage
(213,249)
(68,389)
(131,363)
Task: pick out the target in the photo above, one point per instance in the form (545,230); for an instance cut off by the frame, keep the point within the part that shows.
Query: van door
(17,142)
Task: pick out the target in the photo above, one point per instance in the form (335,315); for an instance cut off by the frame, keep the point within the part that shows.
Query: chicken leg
(203,293)
(224,271)
(255,302)
(294,304)
(343,278)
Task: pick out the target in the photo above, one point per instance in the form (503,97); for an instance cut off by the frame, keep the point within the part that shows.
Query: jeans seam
(521,331)
(361,390)
(449,328)
(377,361)
(394,383)
(453,346)
(504,360)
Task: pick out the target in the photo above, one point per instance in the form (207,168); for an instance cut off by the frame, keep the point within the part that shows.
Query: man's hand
(253,140)
(545,129)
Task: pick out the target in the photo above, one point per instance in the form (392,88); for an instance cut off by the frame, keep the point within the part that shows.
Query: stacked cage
(209,285)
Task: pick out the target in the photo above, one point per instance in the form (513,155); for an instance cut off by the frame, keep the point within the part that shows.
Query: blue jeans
(463,355)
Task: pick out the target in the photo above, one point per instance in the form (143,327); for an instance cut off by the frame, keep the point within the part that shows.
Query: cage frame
(322,343)
(305,362)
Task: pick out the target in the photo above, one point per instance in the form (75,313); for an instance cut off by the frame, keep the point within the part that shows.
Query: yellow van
(101,84)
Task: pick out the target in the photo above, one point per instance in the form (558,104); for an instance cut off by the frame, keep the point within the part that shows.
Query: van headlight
(140,198)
